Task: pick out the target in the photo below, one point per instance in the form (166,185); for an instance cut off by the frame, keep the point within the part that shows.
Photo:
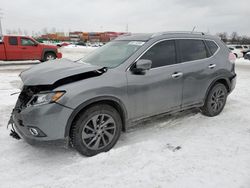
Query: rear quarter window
(212,46)
(13,41)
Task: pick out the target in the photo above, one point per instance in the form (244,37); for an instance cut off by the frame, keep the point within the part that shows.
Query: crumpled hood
(49,72)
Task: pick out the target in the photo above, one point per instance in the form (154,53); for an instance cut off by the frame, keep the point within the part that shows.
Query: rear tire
(49,56)
(96,130)
(215,101)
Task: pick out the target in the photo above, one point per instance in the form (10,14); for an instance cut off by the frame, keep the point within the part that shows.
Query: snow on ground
(212,152)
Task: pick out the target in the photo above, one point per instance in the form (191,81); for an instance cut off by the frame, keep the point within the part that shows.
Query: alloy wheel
(218,99)
(99,131)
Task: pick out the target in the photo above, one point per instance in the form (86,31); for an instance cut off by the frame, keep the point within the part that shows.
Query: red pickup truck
(26,48)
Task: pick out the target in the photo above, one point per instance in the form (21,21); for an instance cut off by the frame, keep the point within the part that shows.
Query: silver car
(87,103)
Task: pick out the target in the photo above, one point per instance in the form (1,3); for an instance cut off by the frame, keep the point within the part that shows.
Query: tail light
(232,57)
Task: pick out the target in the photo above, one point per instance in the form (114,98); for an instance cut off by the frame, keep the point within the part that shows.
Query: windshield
(113,53)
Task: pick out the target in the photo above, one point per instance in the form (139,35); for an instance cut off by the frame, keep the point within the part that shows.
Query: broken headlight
(45,98)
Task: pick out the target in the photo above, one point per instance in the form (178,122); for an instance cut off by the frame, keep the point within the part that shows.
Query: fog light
(33,131)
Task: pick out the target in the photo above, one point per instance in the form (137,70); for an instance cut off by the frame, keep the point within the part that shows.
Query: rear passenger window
(211,46)
(192,49)
(13,41)
(161,54)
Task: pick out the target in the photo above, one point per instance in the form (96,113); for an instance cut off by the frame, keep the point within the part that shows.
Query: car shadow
(42,154)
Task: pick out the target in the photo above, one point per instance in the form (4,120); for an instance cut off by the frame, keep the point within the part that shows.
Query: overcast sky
(140,15)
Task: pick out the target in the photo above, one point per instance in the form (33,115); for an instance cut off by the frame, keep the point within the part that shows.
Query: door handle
(177,75)
(211,66)
(24,48)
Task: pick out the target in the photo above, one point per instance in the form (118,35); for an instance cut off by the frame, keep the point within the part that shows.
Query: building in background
(59,36)
(75,36)
(93,36)
(79,36)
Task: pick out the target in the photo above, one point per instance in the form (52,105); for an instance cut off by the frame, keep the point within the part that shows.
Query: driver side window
(161,54)
(27,42)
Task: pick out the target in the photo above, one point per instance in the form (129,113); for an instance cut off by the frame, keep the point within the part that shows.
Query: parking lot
(186,149)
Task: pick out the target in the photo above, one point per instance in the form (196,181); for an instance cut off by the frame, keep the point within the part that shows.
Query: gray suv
(87,103)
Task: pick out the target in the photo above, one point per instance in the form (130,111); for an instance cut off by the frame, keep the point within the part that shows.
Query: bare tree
(53,30)
(25,32)
(223,36)
(234,37)
(45,31)
(245,40)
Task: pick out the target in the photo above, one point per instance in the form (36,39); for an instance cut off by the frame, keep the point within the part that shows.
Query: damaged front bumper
(43,124)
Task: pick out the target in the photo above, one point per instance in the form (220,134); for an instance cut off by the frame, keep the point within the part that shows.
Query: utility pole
(1,16)
(127,28)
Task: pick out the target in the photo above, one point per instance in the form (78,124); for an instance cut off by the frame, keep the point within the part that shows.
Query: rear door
(198,69)
(30,49)
(160,88)
(13,51)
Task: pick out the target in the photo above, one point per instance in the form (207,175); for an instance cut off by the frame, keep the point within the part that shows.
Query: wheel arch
(48,50)
(112,101)
(223,80)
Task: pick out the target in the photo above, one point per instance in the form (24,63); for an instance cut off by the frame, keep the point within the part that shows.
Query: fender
(121,106)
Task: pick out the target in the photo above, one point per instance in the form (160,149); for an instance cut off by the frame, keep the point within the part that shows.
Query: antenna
(193,29)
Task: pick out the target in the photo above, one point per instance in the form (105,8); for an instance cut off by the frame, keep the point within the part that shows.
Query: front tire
(96,130)
(215,101)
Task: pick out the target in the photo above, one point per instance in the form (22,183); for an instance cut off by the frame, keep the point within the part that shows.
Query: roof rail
(178,32)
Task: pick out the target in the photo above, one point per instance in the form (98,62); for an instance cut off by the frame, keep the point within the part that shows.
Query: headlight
(45,98)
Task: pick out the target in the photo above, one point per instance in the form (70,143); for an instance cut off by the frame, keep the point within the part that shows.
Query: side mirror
(36,44)
(141,66)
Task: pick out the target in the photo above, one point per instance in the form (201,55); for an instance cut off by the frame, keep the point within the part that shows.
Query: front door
(160,89)
(30,50)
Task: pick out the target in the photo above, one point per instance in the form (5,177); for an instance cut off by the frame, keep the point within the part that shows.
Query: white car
(238,53)
(247,56)
(243,48)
